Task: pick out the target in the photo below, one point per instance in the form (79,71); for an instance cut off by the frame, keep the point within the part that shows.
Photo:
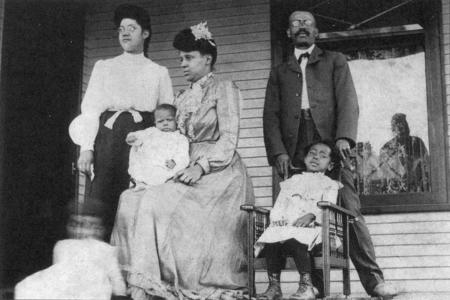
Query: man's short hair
(187,42)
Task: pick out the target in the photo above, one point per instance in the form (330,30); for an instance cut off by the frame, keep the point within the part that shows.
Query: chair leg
(250,255)
(326,251)
(326,280)
(251,281)
(346,279)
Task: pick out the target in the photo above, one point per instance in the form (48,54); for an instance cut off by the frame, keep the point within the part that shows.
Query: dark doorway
(41,70)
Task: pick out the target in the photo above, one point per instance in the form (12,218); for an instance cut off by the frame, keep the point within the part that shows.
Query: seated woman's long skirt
(180,241)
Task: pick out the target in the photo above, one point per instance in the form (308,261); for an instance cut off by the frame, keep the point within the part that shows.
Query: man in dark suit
(312,97)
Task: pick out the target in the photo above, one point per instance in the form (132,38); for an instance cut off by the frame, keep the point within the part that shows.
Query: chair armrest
(334,207)
(251,207)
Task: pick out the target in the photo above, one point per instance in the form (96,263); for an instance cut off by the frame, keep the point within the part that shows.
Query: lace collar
(202,82)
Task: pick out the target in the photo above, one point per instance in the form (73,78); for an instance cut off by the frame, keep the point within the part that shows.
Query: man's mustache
(304,31)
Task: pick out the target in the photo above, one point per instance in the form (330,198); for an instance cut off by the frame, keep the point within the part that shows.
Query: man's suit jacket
(332,99)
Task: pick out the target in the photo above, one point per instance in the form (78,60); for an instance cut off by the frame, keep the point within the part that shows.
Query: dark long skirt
(111,155)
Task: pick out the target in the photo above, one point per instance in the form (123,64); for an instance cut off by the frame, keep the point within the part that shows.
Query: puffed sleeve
(165,87)
(221,154)
(84,128)
(181,153)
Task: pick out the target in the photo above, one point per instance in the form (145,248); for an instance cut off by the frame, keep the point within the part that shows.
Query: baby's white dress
(82,269)
(299,196)
(151,150)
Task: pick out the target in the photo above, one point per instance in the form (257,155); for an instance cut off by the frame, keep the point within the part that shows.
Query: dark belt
(306,114)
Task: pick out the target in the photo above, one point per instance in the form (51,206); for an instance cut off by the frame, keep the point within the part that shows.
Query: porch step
(423,296)
(404,296)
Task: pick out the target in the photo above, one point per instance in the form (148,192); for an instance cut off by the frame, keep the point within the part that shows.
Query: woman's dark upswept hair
(185,41)
(137,13)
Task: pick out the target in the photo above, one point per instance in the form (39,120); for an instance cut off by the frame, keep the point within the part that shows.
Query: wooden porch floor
(8,294)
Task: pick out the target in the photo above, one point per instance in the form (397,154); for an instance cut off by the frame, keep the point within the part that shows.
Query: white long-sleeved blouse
(128,82)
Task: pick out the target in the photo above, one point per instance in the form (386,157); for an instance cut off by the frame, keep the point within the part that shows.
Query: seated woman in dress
(184,239)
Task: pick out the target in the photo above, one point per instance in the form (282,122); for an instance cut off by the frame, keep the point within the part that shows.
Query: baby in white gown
(83,267)
(159,152)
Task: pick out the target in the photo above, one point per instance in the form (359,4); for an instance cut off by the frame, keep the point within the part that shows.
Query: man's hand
(85,161)
(344,148)
(282,164)
(304,221)
(190,175)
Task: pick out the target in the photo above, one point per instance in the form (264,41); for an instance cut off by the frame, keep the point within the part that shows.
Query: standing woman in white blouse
(122,93)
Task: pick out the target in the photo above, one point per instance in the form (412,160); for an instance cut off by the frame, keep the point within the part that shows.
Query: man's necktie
(301,57)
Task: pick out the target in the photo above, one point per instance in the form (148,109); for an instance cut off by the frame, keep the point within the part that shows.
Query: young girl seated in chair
(84,267)
(295,220)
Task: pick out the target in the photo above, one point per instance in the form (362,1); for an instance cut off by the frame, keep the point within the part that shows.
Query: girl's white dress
(150,152)
(82,269)
(299,196)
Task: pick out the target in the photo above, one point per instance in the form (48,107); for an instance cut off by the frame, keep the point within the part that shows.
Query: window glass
(392,153)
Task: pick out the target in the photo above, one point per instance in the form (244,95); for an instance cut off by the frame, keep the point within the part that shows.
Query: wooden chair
(335,222)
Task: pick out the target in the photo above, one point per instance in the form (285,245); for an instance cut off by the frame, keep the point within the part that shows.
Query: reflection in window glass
(392,150)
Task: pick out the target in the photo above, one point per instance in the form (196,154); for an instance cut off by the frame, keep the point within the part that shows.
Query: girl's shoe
(305,289)
(273,292)
(304,292)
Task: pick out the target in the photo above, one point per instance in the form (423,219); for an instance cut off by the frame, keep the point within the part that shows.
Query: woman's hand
(305,220)
(85,161)
(190,175)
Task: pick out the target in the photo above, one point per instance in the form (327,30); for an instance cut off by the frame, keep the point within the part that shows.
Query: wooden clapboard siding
(242,32)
